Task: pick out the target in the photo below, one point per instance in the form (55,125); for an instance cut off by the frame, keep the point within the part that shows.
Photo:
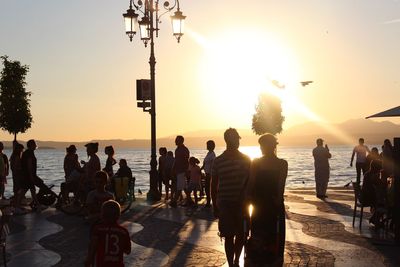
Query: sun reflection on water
(251,151)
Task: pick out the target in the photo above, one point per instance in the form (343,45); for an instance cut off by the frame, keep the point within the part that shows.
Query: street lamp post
(148,28)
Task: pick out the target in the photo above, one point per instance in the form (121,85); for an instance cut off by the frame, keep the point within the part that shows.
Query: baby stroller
(45,195)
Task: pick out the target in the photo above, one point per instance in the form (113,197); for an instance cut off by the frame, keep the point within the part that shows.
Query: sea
(300,161)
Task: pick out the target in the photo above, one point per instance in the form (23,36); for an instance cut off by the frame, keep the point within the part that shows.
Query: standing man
(229,177)
(181,166)
(361,160)
(321,163)
(29,175)
(207,165)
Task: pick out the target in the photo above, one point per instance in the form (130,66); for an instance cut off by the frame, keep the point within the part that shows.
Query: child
(108,240)
(98,196)
(195,178)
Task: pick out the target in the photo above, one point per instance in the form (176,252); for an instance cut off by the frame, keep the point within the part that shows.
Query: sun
(234,70)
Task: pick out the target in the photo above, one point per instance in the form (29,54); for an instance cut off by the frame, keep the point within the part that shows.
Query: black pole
(396,215)
(153,194)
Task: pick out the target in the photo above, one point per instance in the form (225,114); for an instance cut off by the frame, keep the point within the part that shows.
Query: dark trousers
(360,166)
(208,188)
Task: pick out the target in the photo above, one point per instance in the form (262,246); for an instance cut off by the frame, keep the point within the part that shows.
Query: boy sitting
(108,240)
(98,196)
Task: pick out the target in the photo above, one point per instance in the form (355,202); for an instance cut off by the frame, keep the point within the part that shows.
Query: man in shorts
(181,166)
(229,177)
(108,240)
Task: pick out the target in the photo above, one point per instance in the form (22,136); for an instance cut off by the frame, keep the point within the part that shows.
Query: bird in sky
(305,83)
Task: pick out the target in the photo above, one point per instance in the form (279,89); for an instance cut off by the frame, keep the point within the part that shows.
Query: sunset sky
(83,68)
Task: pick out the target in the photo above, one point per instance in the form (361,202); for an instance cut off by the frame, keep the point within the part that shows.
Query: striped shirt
(232,170)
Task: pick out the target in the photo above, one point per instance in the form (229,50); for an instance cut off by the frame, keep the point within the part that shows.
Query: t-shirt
(113,239)
(208,161)
(232,170)
(71,163)
(91,167)
(124,171)
(195,175)
(27,156)
(181,159)
(361,153)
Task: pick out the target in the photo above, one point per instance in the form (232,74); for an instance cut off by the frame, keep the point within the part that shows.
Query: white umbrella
(393,112)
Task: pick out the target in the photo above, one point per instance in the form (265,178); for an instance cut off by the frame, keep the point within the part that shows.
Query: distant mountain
(345,133)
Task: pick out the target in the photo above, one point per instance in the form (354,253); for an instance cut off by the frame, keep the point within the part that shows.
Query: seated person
(373,192)
(73,173)
(98,196)
(123,171)
(108,240)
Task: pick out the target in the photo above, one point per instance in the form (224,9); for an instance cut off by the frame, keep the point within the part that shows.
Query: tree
(268,117)
(15,114)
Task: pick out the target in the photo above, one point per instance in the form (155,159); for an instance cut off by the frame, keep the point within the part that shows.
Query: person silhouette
(321,163)
(360,151)
(181,165)
(207,165)
(265,193)
(229,177)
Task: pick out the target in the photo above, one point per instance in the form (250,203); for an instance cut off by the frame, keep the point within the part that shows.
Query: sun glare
(234,70)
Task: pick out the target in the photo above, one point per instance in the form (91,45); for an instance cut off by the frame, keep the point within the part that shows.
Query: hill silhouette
(345,133)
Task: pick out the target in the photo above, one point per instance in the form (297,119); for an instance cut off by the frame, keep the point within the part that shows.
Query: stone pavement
(318,233)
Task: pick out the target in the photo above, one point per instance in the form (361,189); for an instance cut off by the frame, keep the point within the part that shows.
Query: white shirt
(208,161)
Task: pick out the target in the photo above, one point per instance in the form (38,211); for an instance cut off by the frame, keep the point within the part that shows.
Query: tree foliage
(15,114)
(268,117)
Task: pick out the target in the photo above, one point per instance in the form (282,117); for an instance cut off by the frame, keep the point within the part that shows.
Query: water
(300,160)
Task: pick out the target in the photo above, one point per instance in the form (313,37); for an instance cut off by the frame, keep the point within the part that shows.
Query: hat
(71,148)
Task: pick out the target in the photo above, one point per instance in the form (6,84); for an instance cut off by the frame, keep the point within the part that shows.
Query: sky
(83,69)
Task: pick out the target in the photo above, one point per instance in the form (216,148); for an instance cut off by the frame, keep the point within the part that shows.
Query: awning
(393,112)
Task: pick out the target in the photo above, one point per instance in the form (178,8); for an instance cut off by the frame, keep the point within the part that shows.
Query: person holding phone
(321,163)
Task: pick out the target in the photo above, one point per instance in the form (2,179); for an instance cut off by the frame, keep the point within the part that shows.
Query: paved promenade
(319,233)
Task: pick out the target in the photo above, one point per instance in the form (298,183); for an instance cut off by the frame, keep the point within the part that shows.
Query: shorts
(181,181)
(231,219)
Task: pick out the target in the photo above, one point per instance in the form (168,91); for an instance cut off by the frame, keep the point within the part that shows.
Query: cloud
(391,21)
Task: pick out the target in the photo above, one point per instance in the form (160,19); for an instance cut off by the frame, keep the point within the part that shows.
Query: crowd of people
(231,183)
